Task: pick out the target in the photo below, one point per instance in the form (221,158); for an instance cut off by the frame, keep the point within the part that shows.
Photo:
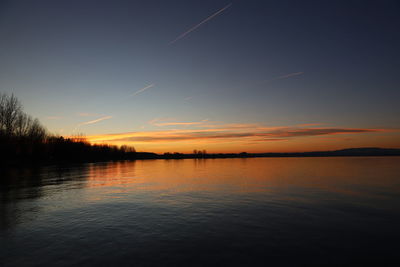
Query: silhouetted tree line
(23,138)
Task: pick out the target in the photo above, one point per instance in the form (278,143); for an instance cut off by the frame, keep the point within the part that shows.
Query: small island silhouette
(24,139)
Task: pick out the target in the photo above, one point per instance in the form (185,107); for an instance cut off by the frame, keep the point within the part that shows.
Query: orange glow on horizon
(235,138)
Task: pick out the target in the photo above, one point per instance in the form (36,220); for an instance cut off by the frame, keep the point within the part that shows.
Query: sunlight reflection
(343,175)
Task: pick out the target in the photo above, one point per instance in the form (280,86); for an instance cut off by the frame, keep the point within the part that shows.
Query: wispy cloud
(84,114)
(96,120)
(286,76)
(157,120)
(199,24)
(160,123)
(229,134)
(92,121)
(143,89)
(310,124)
(289,75)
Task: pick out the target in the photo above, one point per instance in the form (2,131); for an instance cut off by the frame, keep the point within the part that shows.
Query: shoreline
(353,152)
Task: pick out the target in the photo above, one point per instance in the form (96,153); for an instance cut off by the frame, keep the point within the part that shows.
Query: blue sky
(78,65)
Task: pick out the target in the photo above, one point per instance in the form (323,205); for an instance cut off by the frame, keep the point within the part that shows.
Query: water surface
(258,211)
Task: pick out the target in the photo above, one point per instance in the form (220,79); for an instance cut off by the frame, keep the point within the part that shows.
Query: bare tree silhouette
(23,138)
(14,123)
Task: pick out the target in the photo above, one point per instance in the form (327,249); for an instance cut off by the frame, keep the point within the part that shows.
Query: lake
(202,212)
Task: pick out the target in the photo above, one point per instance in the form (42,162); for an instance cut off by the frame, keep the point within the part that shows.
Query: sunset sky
(224,76)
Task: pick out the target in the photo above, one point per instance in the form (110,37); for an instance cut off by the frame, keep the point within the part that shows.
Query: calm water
(249,212)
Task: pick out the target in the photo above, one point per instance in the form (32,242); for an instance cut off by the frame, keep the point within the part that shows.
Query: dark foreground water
(246,212)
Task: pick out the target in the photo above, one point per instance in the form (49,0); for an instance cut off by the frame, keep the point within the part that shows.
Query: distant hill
(368,151)
(364,151)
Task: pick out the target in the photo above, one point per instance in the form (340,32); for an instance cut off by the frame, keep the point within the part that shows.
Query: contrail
(289,75)
(92,121)
(154,122)
(96,120)
(280,77)
(143,89)
(198,25)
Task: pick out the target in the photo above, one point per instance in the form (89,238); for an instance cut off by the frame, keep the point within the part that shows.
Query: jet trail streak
(199,24)
(143,89)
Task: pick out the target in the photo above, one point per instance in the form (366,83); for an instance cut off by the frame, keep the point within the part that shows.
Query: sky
(221,76)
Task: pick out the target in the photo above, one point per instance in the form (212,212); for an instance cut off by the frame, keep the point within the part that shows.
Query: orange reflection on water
(347,175)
